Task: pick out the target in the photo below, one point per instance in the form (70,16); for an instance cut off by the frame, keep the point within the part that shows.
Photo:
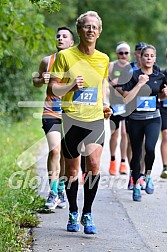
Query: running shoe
(52,201)
(123,168)
(136,193)
(164,174)
(142,182)
(87,222)
(113,168)
(62,203)
(82,178)
(73,222)
(149,186)
(131,183)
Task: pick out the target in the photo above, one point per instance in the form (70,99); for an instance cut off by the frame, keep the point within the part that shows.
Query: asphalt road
(122,224)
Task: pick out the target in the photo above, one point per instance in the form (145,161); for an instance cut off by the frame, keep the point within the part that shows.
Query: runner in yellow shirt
(79,76)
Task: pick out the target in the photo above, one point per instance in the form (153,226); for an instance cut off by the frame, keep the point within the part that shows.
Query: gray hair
(80,20)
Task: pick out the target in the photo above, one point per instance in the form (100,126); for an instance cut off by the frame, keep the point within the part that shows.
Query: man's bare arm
(56,87)
(38,79)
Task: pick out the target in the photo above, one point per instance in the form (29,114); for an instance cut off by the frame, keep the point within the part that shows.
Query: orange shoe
(123,168)
(113,168)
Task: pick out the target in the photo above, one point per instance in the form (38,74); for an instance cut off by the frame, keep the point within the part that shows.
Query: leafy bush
(23,37)
(18,207)
(16,85)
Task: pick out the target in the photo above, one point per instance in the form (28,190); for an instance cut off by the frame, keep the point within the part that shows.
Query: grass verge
(19,202)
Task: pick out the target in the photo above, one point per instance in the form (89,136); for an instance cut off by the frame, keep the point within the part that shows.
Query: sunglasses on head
(122,53)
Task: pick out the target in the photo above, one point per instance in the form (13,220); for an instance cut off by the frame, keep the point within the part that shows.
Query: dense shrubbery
(16,85)
(18,204)
(23,38)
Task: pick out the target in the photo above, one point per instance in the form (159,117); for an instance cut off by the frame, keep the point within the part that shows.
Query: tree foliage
(131,21)
(65,17)
(49,5)
(22,28)
(23,36)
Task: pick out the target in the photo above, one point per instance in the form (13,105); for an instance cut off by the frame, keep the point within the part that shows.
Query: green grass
(19,203)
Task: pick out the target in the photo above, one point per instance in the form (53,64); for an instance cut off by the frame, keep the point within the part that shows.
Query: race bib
(118,109)
(146,103)
(86,96)
(165,103)
(56,105)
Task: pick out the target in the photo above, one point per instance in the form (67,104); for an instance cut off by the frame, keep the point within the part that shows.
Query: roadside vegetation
(19,200)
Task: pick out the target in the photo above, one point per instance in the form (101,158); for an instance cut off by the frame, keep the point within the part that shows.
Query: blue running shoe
(149,186)
(52,201)
(142,181)
(87,222)
(130,184)
(136,193)
(73,222)
(62,203)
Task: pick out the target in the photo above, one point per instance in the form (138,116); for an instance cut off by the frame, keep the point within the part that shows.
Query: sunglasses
(122,53)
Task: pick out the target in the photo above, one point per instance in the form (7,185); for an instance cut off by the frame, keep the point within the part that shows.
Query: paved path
(122,224)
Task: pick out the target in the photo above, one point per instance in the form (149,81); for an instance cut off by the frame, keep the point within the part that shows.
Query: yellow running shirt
(85,104)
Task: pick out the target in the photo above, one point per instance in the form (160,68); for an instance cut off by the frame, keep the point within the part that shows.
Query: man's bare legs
(123,149)
(164,153)
(53,167)
(53,161)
